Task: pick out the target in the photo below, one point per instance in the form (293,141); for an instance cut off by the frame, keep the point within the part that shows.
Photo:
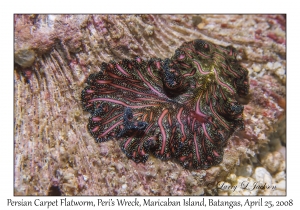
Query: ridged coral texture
(55,154)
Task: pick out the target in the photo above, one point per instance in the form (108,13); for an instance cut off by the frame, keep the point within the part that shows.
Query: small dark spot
(196,20)
(54,191)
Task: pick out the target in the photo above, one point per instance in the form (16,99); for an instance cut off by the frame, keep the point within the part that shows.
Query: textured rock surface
(54,152)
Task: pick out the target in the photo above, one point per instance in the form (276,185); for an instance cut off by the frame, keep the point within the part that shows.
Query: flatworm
(181,108)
